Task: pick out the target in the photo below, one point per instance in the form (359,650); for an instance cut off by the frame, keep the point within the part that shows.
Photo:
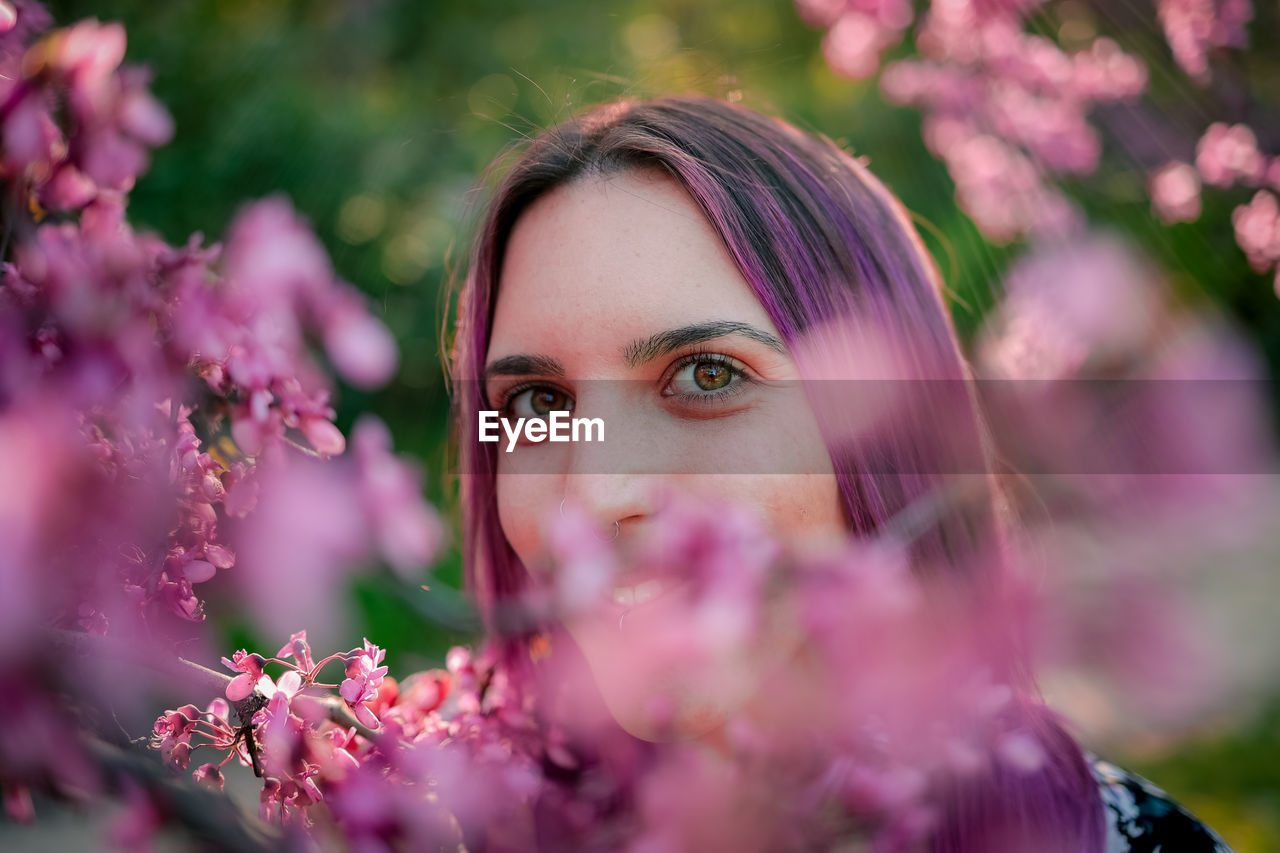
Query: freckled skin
(601,262)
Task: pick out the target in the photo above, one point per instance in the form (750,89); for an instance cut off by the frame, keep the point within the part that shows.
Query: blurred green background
(378,118)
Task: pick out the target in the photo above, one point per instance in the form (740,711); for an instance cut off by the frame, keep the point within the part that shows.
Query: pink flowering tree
(166,421)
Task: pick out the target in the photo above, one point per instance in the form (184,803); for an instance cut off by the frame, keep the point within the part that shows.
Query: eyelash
(739,378)
(507,396)
(737,381)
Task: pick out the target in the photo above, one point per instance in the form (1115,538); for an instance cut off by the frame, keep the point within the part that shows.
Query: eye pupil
(546,401)
(710,376)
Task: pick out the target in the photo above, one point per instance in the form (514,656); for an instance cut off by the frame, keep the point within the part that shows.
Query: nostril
(610,536)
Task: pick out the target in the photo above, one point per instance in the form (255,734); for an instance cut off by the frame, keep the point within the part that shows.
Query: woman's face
(618,301)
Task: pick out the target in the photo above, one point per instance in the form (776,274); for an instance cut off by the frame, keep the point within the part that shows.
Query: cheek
(787,475)
(798,508)
(524,504)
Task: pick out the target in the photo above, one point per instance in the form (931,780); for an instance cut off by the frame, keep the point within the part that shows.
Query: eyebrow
(639,351)
(647,349)
(524,365)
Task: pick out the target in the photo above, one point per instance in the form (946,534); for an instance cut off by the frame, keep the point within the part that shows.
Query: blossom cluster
(1008,110)
(520,751)
(761,695)
(179,365)
(1005,109)
(1195,27)
(387,760)
(1227,156)
(149,393)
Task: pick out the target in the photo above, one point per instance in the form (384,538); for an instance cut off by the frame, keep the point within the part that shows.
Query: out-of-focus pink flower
(136,827)
(853,45)
(29,133)
(88,51)
(301,539)
(1229,153)
(1175,192)
(68,189)
(271,254)
(407,532)
(321,433)
(1257,226)
(1194,27)
(143,116)
(1273,174)
(361,348)
(18,805)
(1094,298)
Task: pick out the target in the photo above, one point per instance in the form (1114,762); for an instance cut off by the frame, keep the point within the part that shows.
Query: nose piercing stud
(617,528)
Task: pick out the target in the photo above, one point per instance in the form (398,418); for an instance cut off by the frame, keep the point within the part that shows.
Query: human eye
(534,402)
(706,379)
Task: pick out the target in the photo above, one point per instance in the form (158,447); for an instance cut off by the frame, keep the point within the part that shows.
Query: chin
(659,686)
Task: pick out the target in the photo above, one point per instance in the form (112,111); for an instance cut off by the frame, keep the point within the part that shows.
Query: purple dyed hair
(818,239)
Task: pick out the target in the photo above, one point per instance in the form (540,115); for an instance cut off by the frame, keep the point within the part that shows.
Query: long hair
(819,240)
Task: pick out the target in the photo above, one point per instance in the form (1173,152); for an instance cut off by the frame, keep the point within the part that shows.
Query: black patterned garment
(1142,819)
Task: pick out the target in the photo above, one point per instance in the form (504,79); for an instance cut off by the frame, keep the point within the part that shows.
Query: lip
(643,595)
(640,593)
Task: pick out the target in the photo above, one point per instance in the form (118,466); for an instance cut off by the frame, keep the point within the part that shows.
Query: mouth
(640,593)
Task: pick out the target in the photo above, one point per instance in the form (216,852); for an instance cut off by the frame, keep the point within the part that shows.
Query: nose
(615,480)
(609,499)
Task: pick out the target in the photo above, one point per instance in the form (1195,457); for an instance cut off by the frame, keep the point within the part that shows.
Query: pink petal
(289,683)
(366,717)
(220,556)
(326,438)
(199,571)
(144,117)
(361,348)
(240,687)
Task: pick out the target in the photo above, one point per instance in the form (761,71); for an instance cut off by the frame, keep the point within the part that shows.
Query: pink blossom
(853,45)
(1257,226)
(1094,297)
(298,649)
(303,536)
(1226,154)
(361,348)
(209,775)
(271,254)
(172,733)
(250,668)
(407,532)
(1194,27)
(1175,192)
(364,677)
(29,133)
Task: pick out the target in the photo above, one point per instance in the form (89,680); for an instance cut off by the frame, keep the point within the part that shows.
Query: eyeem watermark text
(557,426)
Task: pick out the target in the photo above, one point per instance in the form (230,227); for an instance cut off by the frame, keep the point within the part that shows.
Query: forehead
(597,262)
